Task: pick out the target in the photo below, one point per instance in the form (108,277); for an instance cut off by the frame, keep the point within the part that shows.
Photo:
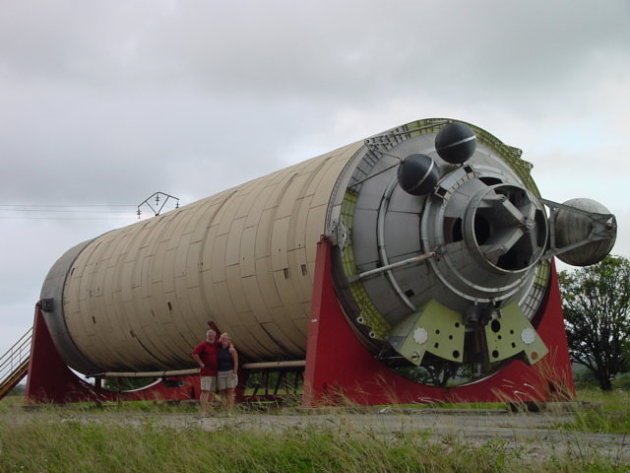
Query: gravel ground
(532,434)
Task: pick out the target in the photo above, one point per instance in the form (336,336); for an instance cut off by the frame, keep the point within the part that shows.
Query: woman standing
(227,365)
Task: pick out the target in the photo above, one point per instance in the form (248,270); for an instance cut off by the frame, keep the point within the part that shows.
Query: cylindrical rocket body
(139,298)
(421,272)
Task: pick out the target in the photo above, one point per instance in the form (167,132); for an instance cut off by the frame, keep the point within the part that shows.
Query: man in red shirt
(205,354)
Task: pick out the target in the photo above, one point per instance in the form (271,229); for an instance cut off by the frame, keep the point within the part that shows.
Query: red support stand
(339,367)
(50,379)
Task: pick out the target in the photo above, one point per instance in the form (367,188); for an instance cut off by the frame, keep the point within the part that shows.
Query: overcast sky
(105,103)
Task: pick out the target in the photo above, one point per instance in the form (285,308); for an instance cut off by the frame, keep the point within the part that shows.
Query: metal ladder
(14,363)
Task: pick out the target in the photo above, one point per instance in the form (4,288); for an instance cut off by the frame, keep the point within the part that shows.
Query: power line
(65,210)
(2,217)
(21,211)
(66,205)
(55,212)
(88,211)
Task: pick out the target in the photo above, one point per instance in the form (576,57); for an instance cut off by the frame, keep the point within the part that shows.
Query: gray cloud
(107,102)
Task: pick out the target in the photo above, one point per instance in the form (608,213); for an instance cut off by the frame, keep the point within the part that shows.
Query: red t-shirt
(208,354)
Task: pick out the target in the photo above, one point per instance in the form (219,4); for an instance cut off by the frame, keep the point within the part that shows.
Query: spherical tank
(453,274)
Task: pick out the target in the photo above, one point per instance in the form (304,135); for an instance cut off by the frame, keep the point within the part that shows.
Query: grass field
(83,439)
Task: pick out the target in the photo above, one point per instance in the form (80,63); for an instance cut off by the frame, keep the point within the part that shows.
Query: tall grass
(134,439)
(605,412)
(99,447)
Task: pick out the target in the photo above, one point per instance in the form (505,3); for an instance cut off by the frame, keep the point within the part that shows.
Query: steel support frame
(340,369)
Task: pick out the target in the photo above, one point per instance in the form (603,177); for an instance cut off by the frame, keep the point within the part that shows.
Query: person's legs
(227,382)
(206,398)
(229,398)
(204,402)
(223,380)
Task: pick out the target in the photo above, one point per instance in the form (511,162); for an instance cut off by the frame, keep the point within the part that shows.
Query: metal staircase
(14,363)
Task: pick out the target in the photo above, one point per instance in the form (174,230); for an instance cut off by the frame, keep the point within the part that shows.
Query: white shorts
(208,383)
(226,380)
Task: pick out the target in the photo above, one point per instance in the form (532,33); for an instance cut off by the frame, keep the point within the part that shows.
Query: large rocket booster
(442,252)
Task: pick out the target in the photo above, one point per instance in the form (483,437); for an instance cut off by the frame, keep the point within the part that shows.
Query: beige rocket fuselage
(139,298)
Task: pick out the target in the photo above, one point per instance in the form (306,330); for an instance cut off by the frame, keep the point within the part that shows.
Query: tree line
(596,305)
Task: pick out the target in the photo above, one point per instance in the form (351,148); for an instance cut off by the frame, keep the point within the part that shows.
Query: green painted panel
(511,334)
(435,329)
(368,312)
